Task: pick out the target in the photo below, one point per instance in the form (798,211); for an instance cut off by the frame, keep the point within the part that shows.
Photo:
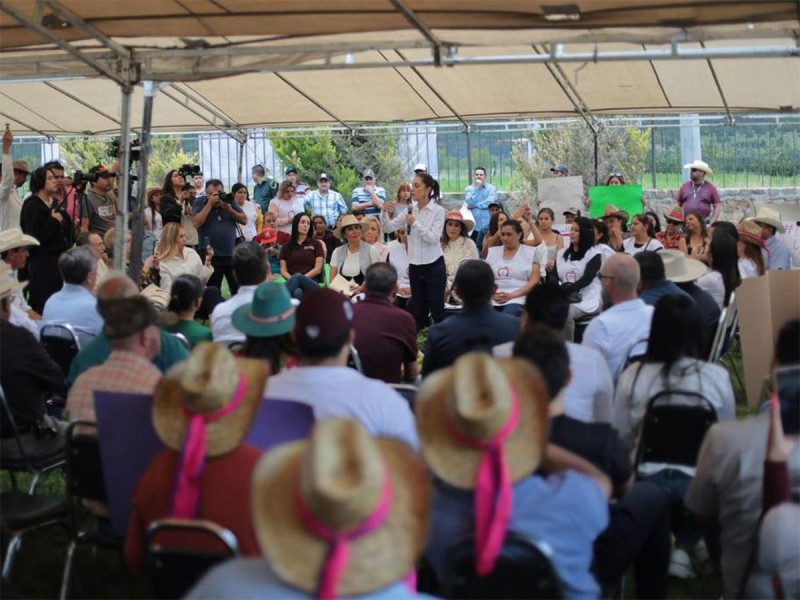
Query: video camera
(114,149)
(188,171)
(80,179)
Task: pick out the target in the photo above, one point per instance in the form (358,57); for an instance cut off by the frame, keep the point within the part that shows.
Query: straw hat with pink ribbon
(342,514)
(203,407)
(750,232)
(483,424)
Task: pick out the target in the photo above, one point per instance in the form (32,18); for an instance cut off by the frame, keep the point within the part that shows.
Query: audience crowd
(550,362)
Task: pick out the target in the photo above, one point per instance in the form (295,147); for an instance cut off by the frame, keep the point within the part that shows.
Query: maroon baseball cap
(323,315)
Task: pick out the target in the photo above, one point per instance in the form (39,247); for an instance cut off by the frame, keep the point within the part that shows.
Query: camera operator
(217,218)
(99,202)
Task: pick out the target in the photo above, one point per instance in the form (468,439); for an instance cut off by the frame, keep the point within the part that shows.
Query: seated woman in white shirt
(671,363)
(457,247)
(373,235)
(576,269)
(351,259)
(173,257)
(601,241)
(516,269)
(643,238)
(398,258)
(492,237)
(750,247)
(723,258)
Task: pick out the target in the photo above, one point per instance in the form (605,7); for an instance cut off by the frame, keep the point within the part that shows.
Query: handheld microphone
(410,211)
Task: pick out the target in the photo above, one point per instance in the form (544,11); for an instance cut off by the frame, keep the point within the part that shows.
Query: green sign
(624,197)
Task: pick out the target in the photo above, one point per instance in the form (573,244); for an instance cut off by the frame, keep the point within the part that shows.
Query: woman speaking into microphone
(426,271)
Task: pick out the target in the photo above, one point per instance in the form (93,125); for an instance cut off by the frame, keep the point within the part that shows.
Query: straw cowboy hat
(270,313)
(750,232)
(9,286)
(767,216)
(473,398)
(612,211)
(204,383)
(346,221)
(679,268)
(675,214)
(457,216)
(341,486)
(700,165)
(14,238)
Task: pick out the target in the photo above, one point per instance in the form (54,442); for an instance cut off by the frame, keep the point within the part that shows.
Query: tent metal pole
(137,229)
(468,130)
(596,157)
(240,160)
(121,221)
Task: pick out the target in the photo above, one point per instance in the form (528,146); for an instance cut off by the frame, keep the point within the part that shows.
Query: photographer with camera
(99,202)
(217,218)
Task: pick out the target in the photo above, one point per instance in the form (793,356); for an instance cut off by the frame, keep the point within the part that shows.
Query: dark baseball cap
(289,170)
(101,171)
(323,315)
(563,169)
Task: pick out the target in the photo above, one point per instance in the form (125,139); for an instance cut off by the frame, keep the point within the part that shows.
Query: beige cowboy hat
(14,238)
(611,210)
(474,397)
(769,217)
(204,383)
(346,221)
(9,286)
(679,268)
(750,232)
(338,476)
(675,214)
(700,165)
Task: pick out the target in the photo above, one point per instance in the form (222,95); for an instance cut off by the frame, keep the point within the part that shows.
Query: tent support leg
(469,153)
(137,230)
(123,204)
(596,157)
(240,160)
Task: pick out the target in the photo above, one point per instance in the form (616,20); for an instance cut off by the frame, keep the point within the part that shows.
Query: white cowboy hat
(679,268)
(699,164)
(14,238)
(769,217)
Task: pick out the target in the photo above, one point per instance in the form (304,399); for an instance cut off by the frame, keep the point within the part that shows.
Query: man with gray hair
(74,303)
(622,330)
(386,336)
(118,285)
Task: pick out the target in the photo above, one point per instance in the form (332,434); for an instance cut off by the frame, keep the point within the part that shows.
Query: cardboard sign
(560,193)
(764,304)
(624,197)
(791,237)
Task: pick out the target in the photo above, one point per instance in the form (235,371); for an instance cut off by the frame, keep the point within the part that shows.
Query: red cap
(323,315)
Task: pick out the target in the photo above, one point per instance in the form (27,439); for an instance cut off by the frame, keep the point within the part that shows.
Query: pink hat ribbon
(190,470)
(492,490)
(339,541)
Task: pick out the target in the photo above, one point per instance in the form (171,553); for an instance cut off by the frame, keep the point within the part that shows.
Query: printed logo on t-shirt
(571,276)
(503,273)
(106,211)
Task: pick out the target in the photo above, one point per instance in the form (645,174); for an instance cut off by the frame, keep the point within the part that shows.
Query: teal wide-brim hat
(270,313)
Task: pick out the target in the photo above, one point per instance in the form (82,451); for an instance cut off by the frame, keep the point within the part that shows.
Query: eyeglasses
(696,170)
(600,276)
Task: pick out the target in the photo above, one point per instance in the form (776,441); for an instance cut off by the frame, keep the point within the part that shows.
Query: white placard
(561,193)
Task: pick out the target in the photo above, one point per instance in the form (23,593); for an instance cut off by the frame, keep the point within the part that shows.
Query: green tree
(83,153)
(343,157)
(166,153)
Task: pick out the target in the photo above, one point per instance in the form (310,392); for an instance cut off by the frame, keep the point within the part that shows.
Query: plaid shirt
(122,372)
(330,206)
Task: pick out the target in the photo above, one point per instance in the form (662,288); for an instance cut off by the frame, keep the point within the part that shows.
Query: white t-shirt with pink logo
(510,274)
(570,271)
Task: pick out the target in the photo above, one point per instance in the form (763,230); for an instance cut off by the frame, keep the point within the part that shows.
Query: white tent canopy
(234,64)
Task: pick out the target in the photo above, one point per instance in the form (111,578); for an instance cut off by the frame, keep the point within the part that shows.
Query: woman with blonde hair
(372,233)
(173,258)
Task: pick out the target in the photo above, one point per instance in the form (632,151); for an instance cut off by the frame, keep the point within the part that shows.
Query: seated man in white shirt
(250,269)
(74,304)
(621,331)
(588,395)
(324,333)
(14,254)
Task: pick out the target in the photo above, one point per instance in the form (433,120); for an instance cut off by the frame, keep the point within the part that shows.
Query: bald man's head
(620,275)
(117,285)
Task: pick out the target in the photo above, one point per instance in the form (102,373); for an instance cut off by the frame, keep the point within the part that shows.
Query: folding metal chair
(354,360)
(61,342)
(407,391)
(726,329)
(522,570)
(673,428)
(178,552)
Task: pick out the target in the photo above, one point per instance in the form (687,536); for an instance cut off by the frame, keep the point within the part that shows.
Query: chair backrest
(636,352)
(674,426)
(183,340)
(354,360)
(407,391)
(8,418)
(522,570)
(178,552)
(61,342)
(85,479)
(726,329)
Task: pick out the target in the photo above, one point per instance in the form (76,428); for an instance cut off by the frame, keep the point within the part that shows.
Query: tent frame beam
(315,103)
(711,68)
(416,23)
(185,100)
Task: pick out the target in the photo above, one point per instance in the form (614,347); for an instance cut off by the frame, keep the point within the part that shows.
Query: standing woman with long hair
(172,205)
(723,258)
(427,272)
(576,269)
(153,221)
(41,219)
(301,258)
(249,208)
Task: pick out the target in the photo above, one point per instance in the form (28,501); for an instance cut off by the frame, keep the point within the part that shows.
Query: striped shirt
(330,206)
(360,195)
